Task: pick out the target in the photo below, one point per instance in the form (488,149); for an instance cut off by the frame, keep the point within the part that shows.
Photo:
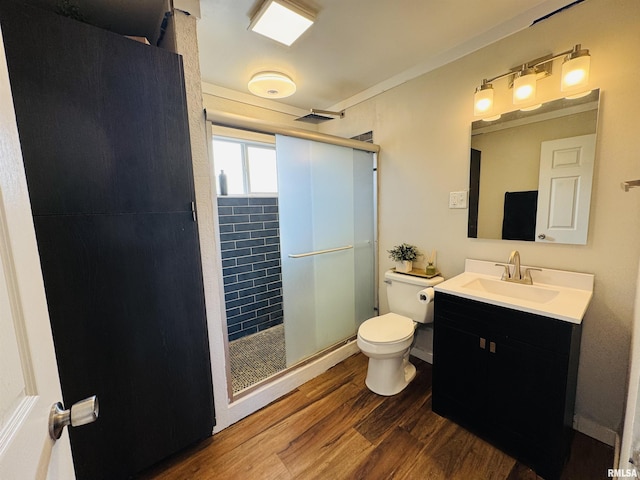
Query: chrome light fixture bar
(281,20)
(523,79)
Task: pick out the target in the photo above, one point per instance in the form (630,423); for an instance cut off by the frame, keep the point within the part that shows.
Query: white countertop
(555,293)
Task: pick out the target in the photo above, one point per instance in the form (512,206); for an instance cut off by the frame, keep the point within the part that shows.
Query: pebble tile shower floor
(256,357)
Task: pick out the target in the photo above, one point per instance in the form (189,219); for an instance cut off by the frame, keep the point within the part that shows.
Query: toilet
(387,339)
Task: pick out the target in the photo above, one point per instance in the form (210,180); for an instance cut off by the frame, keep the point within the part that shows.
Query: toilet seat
(387,329)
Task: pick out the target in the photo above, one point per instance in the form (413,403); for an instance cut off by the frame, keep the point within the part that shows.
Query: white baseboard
(616,451)
(422,355)
(254,401)
(594,430)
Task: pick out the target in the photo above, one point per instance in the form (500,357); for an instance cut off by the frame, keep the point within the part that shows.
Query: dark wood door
(101,118)
(474,192)
(126,303)
(103,129)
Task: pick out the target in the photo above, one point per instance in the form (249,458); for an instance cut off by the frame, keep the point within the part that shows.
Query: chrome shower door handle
(320,252)
(82,412)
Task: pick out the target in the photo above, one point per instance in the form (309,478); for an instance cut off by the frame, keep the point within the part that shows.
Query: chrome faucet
(516,276)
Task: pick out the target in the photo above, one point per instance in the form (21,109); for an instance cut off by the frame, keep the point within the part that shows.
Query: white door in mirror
(566,175)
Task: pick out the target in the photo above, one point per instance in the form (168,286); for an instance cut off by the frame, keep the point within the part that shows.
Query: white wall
(423,128)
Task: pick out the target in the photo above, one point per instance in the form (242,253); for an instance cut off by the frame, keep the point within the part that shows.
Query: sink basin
(530,293)
(555,293)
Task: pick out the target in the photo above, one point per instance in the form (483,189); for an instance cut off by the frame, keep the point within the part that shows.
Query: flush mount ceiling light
(271,85)
(281,20)
(523,79)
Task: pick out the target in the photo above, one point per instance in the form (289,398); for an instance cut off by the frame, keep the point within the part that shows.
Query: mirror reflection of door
(566,174)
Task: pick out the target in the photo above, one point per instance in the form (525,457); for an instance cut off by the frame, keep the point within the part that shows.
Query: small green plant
(404,252)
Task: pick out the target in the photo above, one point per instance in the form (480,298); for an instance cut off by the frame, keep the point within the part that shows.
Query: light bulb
(575,69)
(483,99)
(524,86)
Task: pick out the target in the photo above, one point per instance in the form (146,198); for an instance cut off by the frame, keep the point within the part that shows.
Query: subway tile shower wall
(250,242)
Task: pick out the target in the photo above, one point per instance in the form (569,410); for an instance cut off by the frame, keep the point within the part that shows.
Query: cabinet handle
(483,343)
(492,347)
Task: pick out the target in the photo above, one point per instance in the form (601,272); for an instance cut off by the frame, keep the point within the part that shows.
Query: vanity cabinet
(508,376)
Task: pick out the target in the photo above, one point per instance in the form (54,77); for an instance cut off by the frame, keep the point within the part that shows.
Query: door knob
(82,412)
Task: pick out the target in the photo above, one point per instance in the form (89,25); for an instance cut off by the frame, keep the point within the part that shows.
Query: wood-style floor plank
(336,460)
(334,428)
(389,413)
(279,436)
(390,456)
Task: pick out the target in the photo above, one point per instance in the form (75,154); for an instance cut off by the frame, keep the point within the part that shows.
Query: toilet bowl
(387,339)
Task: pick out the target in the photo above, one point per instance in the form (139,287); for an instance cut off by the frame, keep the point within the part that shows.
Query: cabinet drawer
(478,317)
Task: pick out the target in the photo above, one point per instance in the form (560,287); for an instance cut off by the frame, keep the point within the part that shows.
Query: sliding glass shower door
(326,202)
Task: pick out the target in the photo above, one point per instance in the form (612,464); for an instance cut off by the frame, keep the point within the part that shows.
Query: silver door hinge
(193,211)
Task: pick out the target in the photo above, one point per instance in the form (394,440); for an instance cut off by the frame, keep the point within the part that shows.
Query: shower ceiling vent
(319,116)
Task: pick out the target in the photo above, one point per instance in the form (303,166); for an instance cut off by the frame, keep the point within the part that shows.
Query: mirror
(531,172)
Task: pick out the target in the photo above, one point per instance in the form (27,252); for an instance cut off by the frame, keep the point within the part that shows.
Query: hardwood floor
(334,428)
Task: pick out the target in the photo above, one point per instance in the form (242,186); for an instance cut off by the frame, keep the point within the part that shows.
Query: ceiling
(355,48)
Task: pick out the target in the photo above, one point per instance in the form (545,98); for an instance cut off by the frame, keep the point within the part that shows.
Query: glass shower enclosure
(327,234)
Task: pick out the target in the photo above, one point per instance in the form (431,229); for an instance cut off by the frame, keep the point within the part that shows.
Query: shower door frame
(252,125)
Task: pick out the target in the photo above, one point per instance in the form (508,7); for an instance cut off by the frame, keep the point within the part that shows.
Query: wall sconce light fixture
(523,79)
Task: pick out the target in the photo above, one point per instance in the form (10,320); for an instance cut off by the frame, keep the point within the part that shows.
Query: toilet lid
(387,328)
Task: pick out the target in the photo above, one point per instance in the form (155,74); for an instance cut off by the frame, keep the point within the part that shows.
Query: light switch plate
(458,199)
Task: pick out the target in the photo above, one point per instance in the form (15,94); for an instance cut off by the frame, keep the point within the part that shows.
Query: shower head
(319,116)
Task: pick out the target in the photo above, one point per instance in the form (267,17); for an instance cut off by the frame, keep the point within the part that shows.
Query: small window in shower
(244,167)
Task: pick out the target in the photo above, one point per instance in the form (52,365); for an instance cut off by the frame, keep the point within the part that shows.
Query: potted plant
(404,255)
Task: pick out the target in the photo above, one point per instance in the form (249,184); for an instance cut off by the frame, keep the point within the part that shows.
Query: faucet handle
(527,275)
(507,273)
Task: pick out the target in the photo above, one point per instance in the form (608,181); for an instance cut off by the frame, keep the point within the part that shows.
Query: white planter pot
(404,267)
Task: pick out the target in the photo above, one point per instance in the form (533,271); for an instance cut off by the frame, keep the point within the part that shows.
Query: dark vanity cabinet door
(508,376)
(103,128)
(459,348)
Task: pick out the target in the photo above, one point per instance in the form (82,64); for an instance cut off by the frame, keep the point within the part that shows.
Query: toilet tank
(402,295)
